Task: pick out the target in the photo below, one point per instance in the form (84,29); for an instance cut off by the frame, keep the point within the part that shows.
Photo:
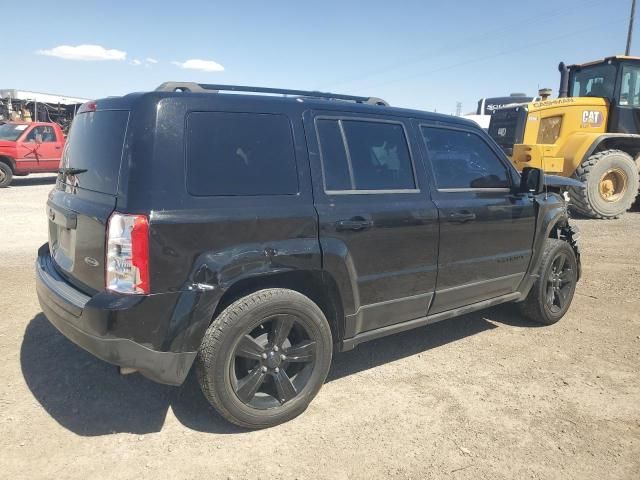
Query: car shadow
(32,181)
(89,397)
(388,349)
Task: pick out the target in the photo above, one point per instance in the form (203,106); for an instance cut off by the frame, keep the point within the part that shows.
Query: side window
(335,166)
(630,89)
(463,160)
(46,134)
(363,155)
(240,154)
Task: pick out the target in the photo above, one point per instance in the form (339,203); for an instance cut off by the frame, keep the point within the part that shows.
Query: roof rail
(211,88)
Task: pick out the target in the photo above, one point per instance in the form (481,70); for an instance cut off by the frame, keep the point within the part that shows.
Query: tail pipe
(563,91)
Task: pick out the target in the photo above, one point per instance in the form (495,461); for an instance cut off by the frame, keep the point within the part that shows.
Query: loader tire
(612,181)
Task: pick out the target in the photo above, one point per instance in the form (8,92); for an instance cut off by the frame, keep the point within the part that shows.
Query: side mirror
(532,180)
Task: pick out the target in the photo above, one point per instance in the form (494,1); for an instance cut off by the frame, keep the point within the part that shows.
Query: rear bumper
(95,324)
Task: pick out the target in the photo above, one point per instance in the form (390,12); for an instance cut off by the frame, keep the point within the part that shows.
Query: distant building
(30,106)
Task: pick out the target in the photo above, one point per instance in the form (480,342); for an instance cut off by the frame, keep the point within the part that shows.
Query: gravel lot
(487,395)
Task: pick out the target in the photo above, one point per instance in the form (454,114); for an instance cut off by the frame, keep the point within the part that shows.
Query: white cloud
(135,62)
(84,52)
(150,60)
(202,65)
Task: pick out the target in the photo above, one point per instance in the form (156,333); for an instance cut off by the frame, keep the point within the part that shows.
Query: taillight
(88,107)
(127,262)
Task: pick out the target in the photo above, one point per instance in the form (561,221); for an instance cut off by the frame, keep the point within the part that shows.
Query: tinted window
(334,156)
(240,154)
(375,157)
(463,160)
(95,143)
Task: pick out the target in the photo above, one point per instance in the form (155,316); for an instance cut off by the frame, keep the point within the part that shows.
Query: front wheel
(6,175)
(552,293)
(265,357)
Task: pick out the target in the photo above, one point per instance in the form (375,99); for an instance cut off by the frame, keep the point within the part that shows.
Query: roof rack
(211,88)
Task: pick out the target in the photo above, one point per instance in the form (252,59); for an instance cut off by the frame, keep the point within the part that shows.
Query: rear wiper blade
(71,171)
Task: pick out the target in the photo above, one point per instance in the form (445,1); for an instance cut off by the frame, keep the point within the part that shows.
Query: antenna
(630,32)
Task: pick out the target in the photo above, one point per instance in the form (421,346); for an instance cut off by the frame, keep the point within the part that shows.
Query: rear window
(240,154)
(95,144)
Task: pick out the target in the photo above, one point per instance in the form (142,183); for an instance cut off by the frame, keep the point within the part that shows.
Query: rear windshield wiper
(71,170)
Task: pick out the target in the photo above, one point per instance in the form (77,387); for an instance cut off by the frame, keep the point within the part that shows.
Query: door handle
(461,217)
(354,224)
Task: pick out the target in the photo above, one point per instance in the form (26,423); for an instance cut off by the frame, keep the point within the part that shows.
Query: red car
(29,148)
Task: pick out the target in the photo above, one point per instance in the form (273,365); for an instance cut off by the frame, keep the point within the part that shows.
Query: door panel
(486,256)
(384,241)
(486,230)
(392,262)
(44,156)
(48,154)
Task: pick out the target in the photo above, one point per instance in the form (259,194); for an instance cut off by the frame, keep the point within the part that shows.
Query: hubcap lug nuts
(264,356)
(277,370)
(283,357)
(275,348)
(264,369)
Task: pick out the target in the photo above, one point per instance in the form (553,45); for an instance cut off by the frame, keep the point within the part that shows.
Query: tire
(6,175)
(229,365)
(537,307)
(594,171)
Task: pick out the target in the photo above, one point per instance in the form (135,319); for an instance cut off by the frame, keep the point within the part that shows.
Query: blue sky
(419,54)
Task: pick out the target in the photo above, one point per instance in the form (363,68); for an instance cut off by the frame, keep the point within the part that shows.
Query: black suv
(256,234)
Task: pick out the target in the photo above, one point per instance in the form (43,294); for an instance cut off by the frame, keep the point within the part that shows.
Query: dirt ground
(485,396)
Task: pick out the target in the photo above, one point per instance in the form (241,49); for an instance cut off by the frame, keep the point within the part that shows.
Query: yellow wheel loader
(591,132)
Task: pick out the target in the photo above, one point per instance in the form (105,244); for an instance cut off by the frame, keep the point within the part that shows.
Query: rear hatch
(85,196)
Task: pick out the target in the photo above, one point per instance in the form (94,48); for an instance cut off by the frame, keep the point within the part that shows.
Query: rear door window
(240,154)
(462,160)
(95,144)
(359,155)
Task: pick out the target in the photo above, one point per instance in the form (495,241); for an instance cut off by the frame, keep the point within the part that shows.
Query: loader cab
(617,79)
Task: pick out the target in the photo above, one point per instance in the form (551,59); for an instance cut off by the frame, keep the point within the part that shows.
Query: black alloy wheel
(559,283)
(265,357)
(273,362)
(551,295)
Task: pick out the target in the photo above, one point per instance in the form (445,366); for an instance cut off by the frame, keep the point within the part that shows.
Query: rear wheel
(551,295)
(6,175)
(265,357)
(612,183)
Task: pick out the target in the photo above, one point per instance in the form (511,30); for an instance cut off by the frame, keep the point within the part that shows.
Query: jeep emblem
(91,261)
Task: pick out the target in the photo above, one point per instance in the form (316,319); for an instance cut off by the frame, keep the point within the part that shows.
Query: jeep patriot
(250,235)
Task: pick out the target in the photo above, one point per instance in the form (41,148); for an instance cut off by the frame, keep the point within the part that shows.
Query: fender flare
(11,161)
(628,142)
(552,214)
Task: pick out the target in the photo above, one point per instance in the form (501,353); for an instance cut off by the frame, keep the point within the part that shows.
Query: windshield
(93,150)
(594,81)
(11,131)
